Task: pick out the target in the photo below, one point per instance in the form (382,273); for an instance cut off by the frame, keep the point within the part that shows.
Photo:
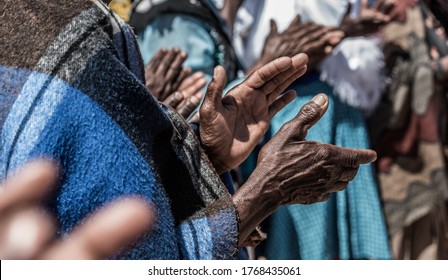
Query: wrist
(254,202)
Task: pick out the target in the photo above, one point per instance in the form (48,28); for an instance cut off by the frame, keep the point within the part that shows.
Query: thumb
(310,114)
(295,22)
(212,101)
(274,29)
(349,10)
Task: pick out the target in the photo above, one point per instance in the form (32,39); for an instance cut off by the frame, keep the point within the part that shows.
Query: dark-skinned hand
(317,41)
(231,126)
(173,84)
(370,19)
(163,73)
(27,231)
(291,169)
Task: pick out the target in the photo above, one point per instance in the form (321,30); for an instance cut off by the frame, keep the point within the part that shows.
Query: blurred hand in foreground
(27,231)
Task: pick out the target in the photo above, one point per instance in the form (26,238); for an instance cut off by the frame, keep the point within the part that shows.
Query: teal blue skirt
(350,225)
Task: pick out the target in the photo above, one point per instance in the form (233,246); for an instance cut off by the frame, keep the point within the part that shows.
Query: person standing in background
(351,224)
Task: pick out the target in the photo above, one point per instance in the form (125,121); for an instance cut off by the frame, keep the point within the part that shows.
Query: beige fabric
(426,239)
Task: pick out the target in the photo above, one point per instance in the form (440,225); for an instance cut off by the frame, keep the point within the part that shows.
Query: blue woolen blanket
(72,89)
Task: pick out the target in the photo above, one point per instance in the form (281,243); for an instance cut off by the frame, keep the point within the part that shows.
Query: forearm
(253,204)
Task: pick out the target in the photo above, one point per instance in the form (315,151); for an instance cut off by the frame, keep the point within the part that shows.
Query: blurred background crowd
(384,65)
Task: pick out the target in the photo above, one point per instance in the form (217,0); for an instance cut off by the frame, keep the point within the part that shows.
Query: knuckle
(323,152)
(308,112)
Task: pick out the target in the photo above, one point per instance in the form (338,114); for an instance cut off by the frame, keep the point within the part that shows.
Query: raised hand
(231,126)
(317,41)
(28,232)
(164,72)
(369,21)
(173,84)
(292,170)
(189,95)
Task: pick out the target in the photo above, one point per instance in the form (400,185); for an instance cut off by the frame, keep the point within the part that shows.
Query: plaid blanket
(72,89)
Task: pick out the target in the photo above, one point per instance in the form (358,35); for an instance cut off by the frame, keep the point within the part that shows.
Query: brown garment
(405,130)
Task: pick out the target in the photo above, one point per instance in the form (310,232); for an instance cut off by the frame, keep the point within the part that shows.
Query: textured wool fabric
(350,225)
(72,89)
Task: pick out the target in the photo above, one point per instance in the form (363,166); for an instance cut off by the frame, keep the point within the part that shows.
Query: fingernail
(215,71)
(320,100)
(178,95)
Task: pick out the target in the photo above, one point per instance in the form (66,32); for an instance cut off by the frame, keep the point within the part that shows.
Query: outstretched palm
(233,125)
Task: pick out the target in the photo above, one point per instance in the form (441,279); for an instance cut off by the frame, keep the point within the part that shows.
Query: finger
(347,174)
(352,157)
(212,102)
(107,231)
(305,34)
(194,88)
(152,65)
(267,72)
(276,84)
(309,115)
(191,80)
(166,62)
(174,99)
(348,11)
(333,38)
(281,102)
(175,67)
(31,184)
(295,22)
(181,78)
(314,33)
(25,232)
(274,29)
(190,105)
(284,84)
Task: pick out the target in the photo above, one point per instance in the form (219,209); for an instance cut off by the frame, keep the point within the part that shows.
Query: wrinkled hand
(370,20)
(164,73)
(189,95)
(315,40)
(292,170)
(28,232)
(231,126)
(173,84)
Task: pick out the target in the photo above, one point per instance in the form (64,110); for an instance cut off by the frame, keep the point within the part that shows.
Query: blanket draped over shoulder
(72,89)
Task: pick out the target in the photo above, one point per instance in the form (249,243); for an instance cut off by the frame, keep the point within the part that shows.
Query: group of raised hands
(290,169)
(318,41)
(174,85)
